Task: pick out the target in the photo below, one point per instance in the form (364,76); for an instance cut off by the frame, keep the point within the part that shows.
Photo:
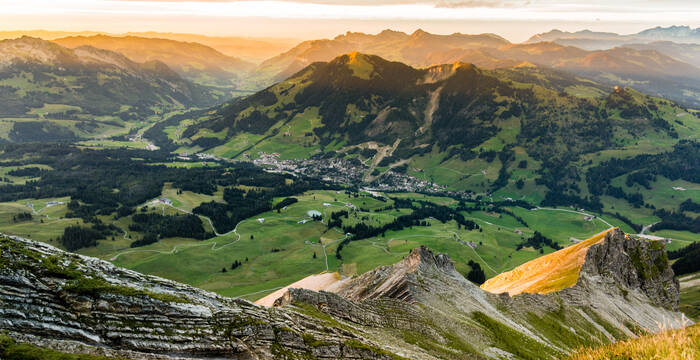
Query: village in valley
(347,171)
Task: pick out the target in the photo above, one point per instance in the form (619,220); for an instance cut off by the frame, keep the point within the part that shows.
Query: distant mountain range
(193,61)
(593,40)
(248,48)
(41,79)
(414,49)
(659,61)
(658,68)
(199,75)
(417,119)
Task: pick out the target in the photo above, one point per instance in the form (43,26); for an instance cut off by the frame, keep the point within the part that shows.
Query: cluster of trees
(236,264)
(643,178)
(687,259)
(77,237)
(672,220)
(423,210)
(27,172)
(148,238)
(41,131)
(336,219)
(559,198)
(286,202)
(165,226)
(689,205)
(24,216)
(636,200)
(680,163)
(506,156)
(537,241)
(476,274)
(240,204)
(628,221)
(114,181)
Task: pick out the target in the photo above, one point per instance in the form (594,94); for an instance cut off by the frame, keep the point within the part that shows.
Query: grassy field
(277,248)
(668,345)
(106,144)
(47,222)
(19,180)
(690,295)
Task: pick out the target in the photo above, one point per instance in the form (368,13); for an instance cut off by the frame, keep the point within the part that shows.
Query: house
(165,201)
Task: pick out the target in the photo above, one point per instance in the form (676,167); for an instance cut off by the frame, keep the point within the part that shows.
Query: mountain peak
(427,259)
(398,281)
(388,32)
(611,258)
(419,33)
(32,49)
(362,65)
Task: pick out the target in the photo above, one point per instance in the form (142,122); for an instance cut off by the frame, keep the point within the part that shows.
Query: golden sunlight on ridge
(545,274)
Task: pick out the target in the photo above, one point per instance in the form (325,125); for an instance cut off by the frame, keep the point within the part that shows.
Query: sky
(515,20)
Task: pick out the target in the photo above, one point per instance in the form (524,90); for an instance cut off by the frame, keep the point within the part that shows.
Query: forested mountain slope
(193,61)
(523,126)
(75,91)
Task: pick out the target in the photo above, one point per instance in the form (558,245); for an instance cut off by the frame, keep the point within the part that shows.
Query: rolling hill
(647,68)
(593,40)
(661,70)
(687,53)
(414,49)
(46,88)
(193,61)
(254,50)
(455,115)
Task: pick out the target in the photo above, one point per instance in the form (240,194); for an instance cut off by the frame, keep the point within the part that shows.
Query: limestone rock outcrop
(80,304)
(419,308)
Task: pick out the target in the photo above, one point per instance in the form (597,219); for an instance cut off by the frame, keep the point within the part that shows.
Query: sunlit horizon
(513,20)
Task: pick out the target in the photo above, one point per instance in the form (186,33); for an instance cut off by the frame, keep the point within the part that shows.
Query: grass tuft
(682,344)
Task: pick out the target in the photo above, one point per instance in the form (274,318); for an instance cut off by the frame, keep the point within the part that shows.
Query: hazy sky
(514,19)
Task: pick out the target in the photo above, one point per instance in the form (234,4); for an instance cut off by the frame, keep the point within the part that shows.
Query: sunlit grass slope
(545,274)
(679,344)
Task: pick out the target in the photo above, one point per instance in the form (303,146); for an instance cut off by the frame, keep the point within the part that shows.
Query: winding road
(575,212)
(175,248)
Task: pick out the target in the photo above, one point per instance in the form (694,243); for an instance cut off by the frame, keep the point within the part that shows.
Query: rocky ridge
(419,308)
(80,304)
(625,287)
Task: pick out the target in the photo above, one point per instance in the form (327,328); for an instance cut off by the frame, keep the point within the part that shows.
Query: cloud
(481,3)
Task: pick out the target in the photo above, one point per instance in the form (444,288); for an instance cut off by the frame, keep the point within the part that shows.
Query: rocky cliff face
(623,262)
(81,304)
(419,308)
(625,285)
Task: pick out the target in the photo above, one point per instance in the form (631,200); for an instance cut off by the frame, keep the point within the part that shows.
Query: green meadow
(277,248)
